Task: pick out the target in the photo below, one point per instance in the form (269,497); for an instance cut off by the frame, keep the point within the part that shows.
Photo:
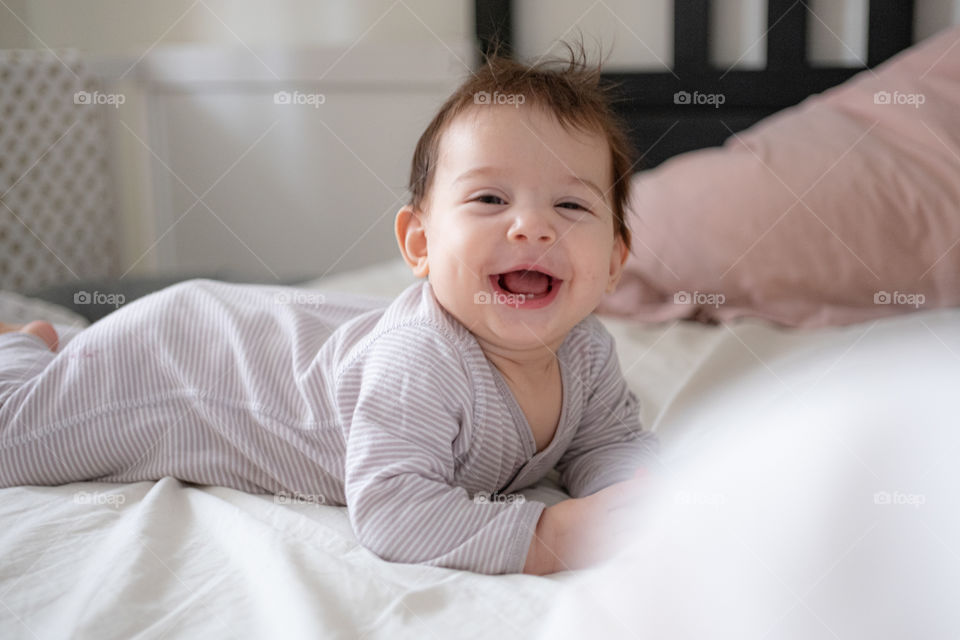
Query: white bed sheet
(163,559)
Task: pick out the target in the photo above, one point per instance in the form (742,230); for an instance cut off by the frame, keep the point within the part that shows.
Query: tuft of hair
(568,88)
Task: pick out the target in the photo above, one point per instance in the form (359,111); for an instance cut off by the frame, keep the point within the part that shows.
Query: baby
(422,415)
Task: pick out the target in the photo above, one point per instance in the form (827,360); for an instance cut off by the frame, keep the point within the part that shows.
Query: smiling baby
(423,415)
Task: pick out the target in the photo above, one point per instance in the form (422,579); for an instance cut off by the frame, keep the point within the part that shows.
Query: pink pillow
(843,208)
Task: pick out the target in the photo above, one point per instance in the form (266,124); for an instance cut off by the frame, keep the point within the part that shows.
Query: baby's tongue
(532,283)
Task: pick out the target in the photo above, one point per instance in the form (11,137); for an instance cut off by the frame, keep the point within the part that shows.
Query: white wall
(288,189)
(13,34)
(131,26)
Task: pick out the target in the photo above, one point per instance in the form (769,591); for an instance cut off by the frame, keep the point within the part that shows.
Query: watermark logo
(97,498)
(699,297)
(300,297)
(697,98)
(297,98)
(498,297)
(95,97)
(299,498)
(499,498)
(899,298)
(912,99)
(485,97)
(98,297)
(915,500)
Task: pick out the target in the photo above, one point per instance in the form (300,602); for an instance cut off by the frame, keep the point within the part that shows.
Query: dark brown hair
(567,88)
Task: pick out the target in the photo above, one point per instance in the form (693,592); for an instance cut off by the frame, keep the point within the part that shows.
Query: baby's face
(514,190)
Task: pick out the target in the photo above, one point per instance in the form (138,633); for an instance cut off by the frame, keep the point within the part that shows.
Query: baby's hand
(582,532)
(40,328)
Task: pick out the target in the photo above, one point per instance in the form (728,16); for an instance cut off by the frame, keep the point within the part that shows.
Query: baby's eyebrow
(478,171)
(486,170)
(571,179)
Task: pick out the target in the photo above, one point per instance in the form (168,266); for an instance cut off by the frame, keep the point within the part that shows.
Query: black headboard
(647,99)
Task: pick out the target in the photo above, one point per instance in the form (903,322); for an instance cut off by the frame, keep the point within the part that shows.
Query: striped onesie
(389,408)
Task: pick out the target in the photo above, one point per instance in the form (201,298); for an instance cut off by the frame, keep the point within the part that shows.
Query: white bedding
(743,411)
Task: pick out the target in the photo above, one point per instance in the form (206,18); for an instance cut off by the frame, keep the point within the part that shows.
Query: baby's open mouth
(530,284)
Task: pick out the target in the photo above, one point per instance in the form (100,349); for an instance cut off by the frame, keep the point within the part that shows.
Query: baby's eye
(489,198)
(572,205)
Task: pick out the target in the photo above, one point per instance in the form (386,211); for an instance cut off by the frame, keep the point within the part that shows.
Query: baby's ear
(618,258)
(412,238)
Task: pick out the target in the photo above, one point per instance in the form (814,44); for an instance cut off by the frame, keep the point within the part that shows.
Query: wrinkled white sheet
(165,559)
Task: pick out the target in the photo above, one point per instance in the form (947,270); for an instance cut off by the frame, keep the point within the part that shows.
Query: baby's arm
(406,395)
(610,444)
(604,469)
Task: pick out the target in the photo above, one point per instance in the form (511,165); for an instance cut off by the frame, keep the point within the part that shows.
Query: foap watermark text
(99,297)
(696,98)
(899,298)
(297,98)
(485,97)
(912,99)
(95,97)
(699,297)
(498,297)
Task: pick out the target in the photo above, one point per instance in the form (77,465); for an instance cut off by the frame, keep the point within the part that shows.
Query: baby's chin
(514,333)
(516,347)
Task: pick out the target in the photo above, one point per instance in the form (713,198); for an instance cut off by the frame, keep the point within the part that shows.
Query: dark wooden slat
(890,30)
(494,25)
(691,35)
(658,136)
(786,35)
(647,103)
(762,89)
